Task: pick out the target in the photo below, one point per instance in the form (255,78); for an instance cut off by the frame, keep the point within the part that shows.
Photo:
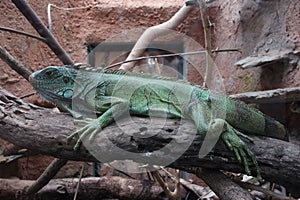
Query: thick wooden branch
(45,131)
(98,188)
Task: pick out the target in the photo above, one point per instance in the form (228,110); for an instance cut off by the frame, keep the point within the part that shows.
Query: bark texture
(46,132)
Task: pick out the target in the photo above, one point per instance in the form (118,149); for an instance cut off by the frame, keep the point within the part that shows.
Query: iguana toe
(92,128)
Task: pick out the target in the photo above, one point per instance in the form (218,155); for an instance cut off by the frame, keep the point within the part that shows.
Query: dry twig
(22,33)
(79,181)
(169,55)
(207,38)
(47,175)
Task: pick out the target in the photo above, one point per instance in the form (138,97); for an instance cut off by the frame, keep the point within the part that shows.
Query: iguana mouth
(30,79)
(50,96)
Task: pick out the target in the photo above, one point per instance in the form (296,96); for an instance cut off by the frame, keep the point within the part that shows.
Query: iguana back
(149,95)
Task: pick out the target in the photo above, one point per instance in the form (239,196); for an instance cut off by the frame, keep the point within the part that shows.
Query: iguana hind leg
(208,124)
(232,139)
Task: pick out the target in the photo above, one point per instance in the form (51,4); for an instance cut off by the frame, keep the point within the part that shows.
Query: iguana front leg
(116,108)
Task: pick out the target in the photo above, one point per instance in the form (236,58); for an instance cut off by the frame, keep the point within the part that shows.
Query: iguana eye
(66,79)
(49,73)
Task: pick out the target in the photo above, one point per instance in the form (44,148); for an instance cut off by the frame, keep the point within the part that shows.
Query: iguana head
(54,83)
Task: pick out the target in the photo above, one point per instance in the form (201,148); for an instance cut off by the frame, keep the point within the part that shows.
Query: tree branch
(22,123)
(154,32)
(14,64)
(39,26)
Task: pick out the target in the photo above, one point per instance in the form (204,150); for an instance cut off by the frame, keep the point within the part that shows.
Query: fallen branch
(221,184)
(104,187)
(22,123)
(197,189)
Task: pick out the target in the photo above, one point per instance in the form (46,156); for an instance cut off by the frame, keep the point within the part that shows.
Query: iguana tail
(250,120)
(275,129)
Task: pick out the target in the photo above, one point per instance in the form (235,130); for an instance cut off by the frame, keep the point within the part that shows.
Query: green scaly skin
(113,93)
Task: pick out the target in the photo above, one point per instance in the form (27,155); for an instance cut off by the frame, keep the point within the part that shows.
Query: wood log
(46,132)
(98,188)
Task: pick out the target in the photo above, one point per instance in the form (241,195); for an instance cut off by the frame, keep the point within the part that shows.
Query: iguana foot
(232,140)
(92,128)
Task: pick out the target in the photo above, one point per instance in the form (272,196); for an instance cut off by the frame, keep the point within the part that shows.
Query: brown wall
(245,25)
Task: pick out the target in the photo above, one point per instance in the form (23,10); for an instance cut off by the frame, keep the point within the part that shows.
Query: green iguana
(113,93)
